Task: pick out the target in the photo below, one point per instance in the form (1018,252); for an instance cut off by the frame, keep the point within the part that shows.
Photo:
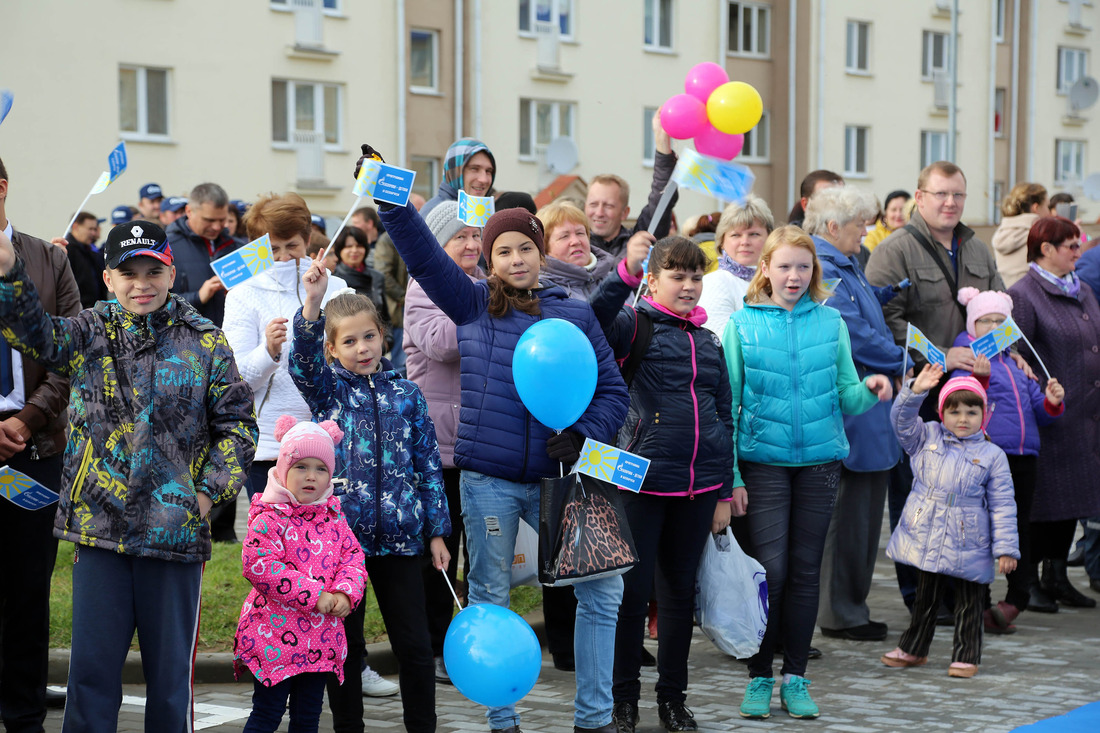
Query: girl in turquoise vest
(790,367)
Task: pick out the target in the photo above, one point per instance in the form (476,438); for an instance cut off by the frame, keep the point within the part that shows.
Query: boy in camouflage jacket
(161,429)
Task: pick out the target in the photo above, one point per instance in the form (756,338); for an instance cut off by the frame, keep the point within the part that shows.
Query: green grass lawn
(223,592)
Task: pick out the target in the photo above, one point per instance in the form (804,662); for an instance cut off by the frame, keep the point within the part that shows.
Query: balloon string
(451,588)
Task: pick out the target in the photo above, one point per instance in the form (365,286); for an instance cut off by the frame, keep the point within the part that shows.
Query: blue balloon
(554,370)
(492,655)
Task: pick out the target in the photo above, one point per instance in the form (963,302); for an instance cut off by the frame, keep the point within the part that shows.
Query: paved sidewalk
(1051,666)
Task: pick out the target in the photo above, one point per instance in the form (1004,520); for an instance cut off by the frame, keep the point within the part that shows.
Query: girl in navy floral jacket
(393,495)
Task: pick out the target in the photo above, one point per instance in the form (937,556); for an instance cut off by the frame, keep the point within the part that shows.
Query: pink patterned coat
(292,553)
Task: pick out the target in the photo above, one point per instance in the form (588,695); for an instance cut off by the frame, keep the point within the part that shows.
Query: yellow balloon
(735,107)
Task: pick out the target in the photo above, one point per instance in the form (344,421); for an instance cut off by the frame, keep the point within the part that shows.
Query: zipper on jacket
(1016,393)
(377,462)
(634,437)
(796,402)
(695,414)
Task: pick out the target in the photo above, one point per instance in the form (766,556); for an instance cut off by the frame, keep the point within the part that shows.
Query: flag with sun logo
(244,263)
(714,177)
(475,210)
(611,464)
(23,491)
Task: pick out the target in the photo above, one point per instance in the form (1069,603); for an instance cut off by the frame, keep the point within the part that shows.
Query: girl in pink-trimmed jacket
(307,573)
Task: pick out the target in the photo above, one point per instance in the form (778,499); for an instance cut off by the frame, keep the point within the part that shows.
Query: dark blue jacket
(497,436)
(870,435)
(1088,268)
(191,254)
(393,499)
(1018,405)
(680,415)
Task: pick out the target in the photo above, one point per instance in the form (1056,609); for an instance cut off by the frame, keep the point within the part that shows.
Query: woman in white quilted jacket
(257,321)
(739,238)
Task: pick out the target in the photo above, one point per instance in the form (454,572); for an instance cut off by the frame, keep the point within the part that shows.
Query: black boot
(1057,584)
(624,716)
(1040,599)
(676,717)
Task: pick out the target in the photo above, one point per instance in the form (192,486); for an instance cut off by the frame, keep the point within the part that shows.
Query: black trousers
(669,534)
(29,549)
(1052,540)
(306,693)
(440,604)
(559,609)
(399,588)
(1024,471)
(968,617)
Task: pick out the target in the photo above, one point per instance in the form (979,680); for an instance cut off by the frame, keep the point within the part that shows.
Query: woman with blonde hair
(572,262)
(1025,204)
(790,366)
(739,238)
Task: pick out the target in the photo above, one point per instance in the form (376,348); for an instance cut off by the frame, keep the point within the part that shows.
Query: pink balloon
(703,79)
(718,144)
(683,116)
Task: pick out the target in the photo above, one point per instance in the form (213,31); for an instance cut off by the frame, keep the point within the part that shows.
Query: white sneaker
(374,685)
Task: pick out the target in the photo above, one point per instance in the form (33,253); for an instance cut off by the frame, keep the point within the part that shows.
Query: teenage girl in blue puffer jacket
(502,450)
(680,418)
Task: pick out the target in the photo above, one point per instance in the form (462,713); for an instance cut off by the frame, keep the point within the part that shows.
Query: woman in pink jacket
(431,357)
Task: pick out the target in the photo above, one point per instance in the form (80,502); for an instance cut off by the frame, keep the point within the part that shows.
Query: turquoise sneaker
(758,698)
(796,700)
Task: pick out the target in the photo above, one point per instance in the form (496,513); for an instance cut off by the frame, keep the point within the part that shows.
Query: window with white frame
(143,102)
(423,60)
(649,141)
(999,28)
(533,11)
(1073,63)
(658,24)
(934,54)
(999,112)
(540,121)
(306,107)
(855,150)
(749,28)
(427,175)
(933,146)
(331,6)
(1069,161)
(856,55)
(755,149)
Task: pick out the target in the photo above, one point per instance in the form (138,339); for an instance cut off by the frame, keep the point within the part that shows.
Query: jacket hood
(180,228)
(275,493)
(458,155)
(567,274)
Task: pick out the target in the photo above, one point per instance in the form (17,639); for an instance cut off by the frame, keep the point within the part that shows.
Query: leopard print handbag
(583,532)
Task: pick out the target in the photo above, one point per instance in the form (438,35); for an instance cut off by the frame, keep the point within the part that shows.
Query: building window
(533,11)
(649,142)
(998,197)
(423,61)
(300,108)
(999,28)
(143,102)
(749,26)
(540,122)
(934,55)
(999,112)
(1073,63)
(658,24)
(933,147)
(855,151)
(1069,161)
(855,58)
(427,175)
(755,149)
(332,6)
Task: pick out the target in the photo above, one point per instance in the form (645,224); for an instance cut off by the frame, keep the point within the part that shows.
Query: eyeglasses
(990,321)
(1075,247)
(942,196)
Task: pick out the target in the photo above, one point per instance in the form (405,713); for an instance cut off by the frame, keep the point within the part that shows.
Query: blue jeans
(491,510)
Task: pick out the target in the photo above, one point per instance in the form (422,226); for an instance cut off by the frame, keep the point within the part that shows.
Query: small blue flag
(6,99)
(116,161)
(915,339)
(611,464)
(23,491)
(475,210)
(718,178)
(244,263)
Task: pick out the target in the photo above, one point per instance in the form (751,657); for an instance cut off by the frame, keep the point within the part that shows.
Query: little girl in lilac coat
(959,516)
(307,573)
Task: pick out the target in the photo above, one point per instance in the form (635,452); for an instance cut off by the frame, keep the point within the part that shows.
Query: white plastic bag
(525,563)
(731,597)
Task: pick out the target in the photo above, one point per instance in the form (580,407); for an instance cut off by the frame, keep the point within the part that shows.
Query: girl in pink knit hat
(307,573)
(1019,406)
(960,516)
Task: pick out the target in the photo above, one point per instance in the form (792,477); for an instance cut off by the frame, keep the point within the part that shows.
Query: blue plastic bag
(731,597)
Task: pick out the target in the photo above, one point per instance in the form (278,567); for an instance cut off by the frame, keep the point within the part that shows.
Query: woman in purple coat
(1060,316)
(431,356)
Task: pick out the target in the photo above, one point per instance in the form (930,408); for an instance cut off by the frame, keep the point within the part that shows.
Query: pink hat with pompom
(302,440)
(965,384)
(982,303)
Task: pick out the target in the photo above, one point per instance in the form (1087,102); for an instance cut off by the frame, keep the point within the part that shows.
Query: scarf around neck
(1070,284)
(727,263)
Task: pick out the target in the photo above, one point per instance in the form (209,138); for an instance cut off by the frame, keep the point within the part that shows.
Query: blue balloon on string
(554,369)
(492,655)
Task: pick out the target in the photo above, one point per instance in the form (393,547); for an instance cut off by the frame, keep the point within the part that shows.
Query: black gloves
(565,447)
(368,152)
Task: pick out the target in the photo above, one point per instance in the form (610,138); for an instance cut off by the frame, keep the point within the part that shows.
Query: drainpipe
(477,69)
(820,71)
(402,85)
(792,118)
(953,102)
(1032,83)
(990,168)
(1014,127)
(460,40)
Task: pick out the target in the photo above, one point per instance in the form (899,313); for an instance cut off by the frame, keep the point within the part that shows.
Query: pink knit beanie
(305,440)
(965,384)
(979,303)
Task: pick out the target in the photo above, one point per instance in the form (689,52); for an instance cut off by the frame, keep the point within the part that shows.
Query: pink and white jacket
(292,553)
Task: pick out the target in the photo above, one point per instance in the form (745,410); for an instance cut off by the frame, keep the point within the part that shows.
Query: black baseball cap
(136,238)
